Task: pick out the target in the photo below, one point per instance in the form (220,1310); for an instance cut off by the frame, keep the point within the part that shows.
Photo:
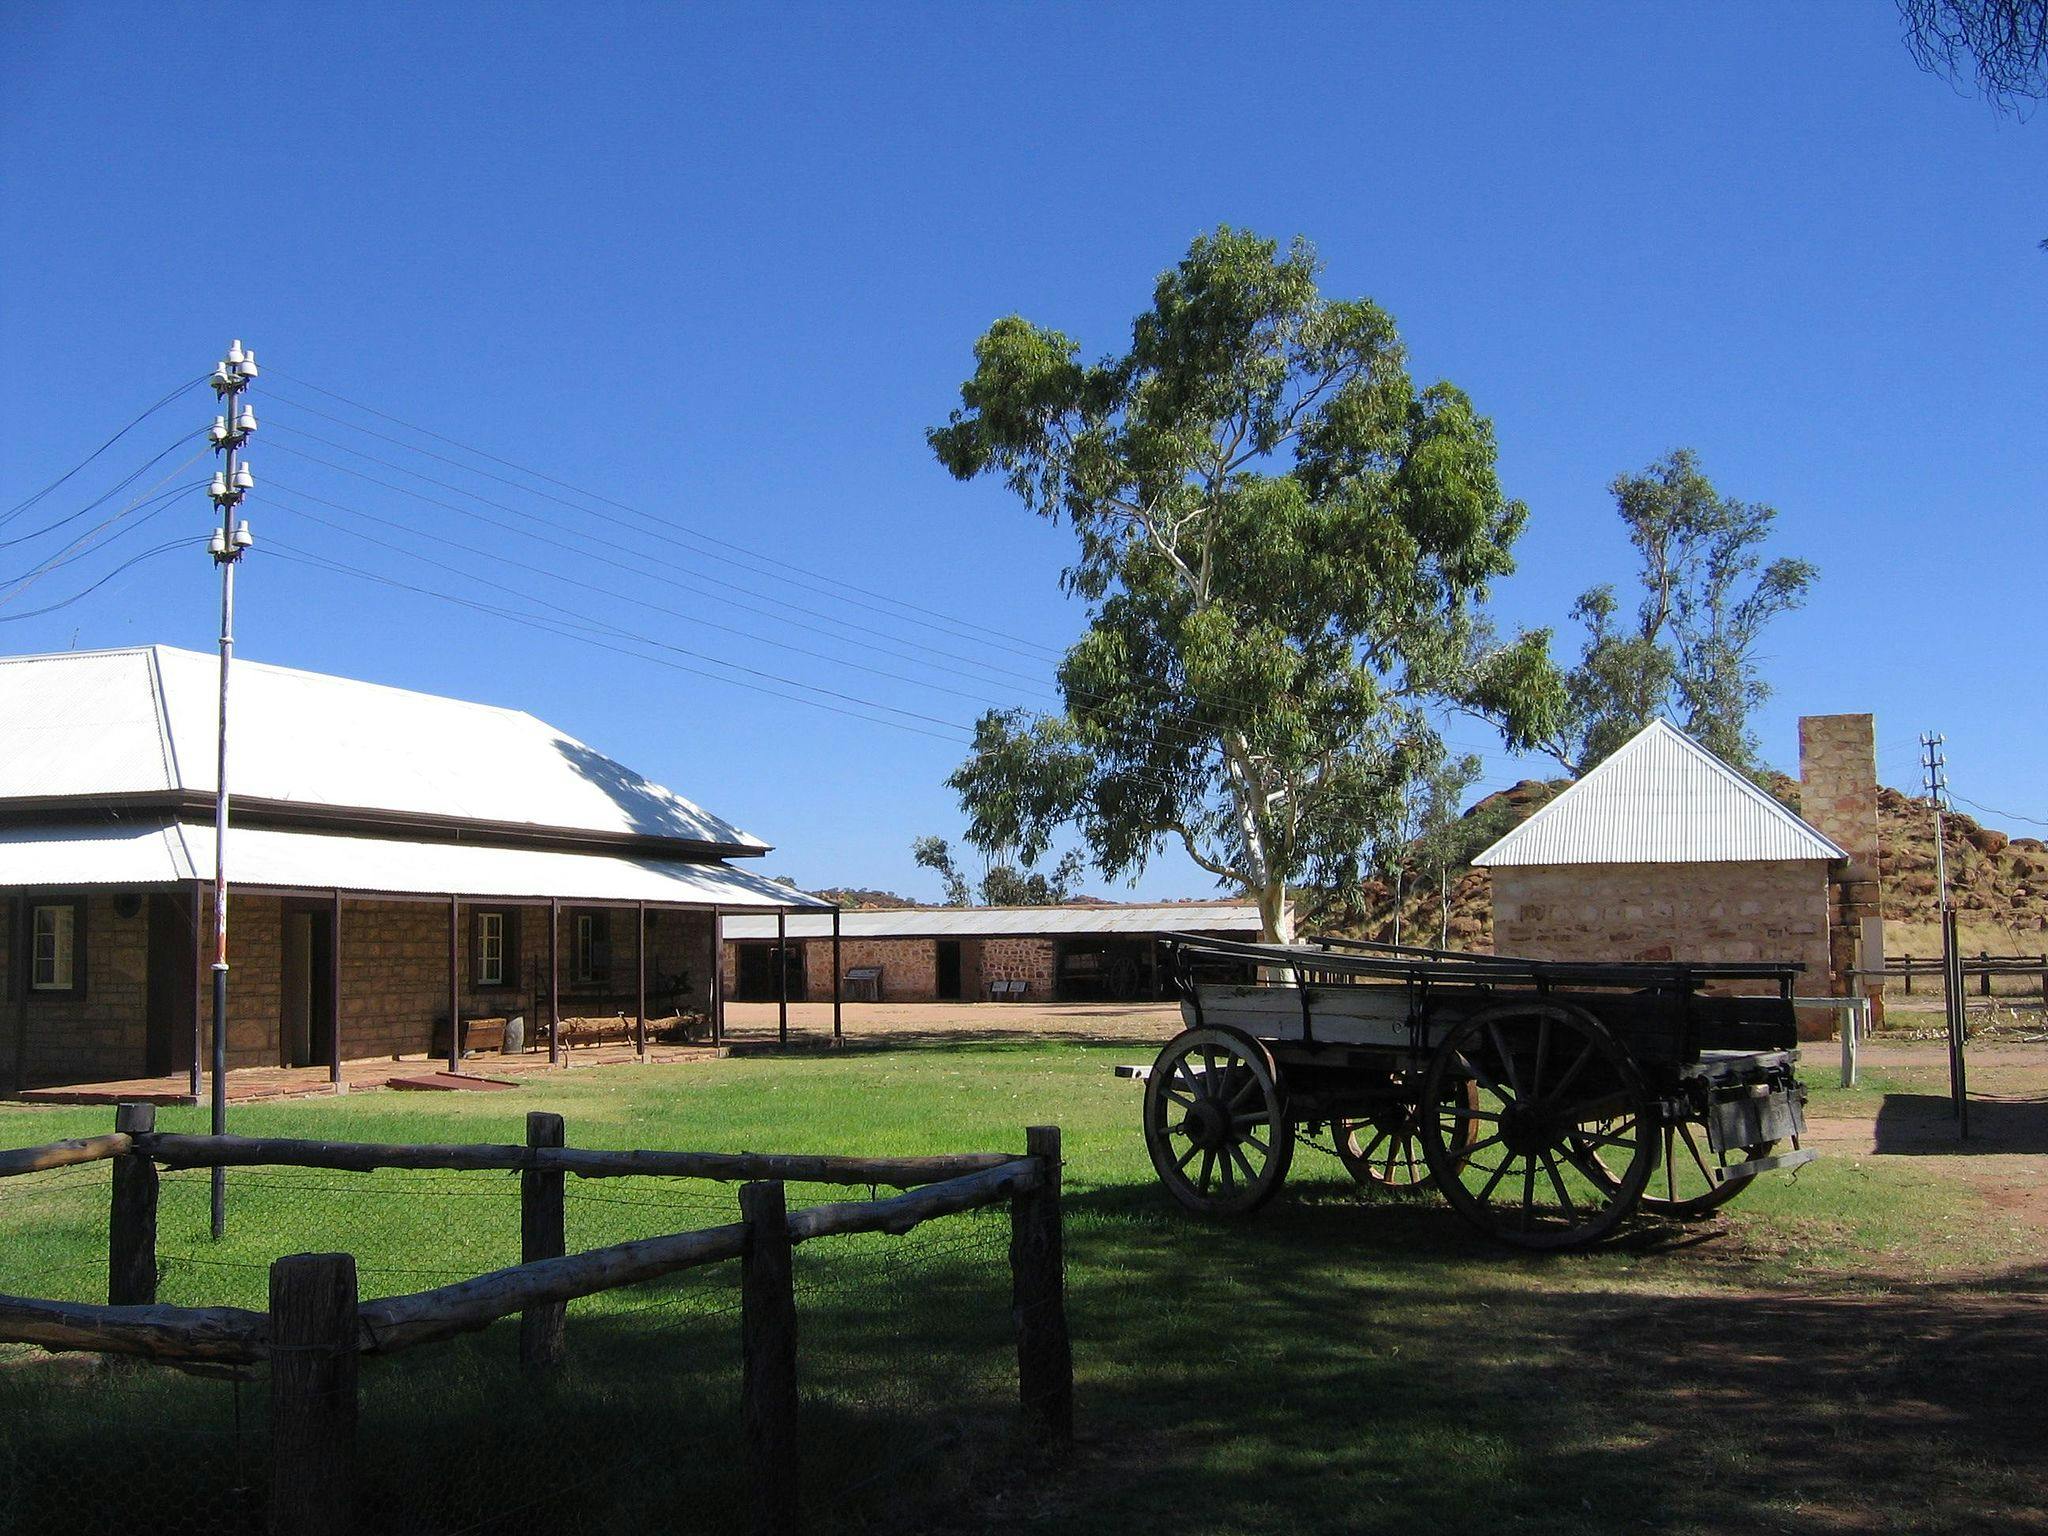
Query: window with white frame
(490,948)
(590,948)
(54,962)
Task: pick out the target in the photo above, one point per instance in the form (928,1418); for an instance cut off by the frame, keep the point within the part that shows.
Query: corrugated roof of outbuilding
(142,721)
(1078,921)
(1661,799)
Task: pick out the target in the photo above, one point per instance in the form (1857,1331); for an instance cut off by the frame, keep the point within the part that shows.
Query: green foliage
(1001,886)
(1689,648)
(1283,544)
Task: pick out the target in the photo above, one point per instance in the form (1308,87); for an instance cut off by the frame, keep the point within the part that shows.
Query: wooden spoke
(1216,1125)
(1571,1096)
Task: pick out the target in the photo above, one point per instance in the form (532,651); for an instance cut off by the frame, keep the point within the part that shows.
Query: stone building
(1083,953)
(1664,852)
(392,856)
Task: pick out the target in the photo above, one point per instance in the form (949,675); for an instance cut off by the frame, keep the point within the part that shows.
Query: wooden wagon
(1546,1101)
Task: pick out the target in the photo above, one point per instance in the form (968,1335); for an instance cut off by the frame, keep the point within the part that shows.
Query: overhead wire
(665,522)
(307,557)
(148,554)
(803,617)
(22,506)
(24,582)
(274,491)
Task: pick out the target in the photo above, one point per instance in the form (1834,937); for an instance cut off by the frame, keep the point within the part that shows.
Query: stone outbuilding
(1085,952)
(395,859)
(1666,853)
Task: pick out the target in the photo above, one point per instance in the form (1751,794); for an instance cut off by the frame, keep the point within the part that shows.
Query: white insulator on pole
(244,481)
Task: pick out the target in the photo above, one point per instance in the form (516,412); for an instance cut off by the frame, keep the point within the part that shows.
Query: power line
(104,496)
(1990,810)
(51,564)
(806,618)
(961,732)
(590,586)
(163,500)
(22,506)
(835,589)
(147,554)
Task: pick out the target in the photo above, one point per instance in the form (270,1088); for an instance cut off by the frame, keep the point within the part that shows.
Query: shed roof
(1080,921)
(88,725)
(144,851)
(1661,799)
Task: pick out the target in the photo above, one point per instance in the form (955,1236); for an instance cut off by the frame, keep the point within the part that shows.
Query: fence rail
(316,1326)
(1984,966)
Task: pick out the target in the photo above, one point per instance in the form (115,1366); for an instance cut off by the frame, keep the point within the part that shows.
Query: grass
(1332,1364)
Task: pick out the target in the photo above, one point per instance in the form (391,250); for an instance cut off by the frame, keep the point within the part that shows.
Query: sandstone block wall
(1838,797)
(393,973)
(1032,961)
(99,1035)
(1774,911)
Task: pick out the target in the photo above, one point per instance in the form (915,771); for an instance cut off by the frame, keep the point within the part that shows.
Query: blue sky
(725,264)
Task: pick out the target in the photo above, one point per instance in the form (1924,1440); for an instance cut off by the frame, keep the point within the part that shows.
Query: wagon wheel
(1683,1187)
(1555,1094)
(1215,1123)
(1384,1150)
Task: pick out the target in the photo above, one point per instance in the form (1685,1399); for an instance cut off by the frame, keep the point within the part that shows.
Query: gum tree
(1282,543)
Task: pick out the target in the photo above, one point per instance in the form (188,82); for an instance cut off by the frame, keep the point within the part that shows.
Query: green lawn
(1332,1364)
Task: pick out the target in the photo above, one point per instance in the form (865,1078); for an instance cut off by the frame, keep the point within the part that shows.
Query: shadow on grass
(1329,1365)
(1917,1124)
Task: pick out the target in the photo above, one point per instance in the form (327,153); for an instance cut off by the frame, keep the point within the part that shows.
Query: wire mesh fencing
(907,1365)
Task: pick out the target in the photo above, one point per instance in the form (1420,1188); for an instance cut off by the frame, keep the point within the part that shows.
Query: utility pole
(1934,767)
(231,482)
(1934,779)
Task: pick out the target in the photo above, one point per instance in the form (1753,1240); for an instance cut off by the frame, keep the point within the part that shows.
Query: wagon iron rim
(1384,1152)
(1565,1141)
(1216,1123)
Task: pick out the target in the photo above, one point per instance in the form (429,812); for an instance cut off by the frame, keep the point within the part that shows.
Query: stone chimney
(1838,797)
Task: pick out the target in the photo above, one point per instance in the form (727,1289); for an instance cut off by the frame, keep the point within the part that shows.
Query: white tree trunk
(1276,914)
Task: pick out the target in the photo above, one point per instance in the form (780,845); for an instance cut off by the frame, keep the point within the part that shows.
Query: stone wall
(1774,911)
(76,1039)
(1032,961)
(394,982)
(1838,797)
(910,967)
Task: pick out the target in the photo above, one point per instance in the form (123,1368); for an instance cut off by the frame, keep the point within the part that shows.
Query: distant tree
(1282,543)
(1426,842)
(1689,648)
(1002,885)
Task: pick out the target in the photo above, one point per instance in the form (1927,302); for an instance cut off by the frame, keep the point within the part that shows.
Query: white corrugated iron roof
(146,852)
(1661,799)
(143,721)
(1014,922)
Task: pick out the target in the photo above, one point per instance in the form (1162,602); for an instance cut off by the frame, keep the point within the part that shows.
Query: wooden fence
(1983,966)
(316,1326)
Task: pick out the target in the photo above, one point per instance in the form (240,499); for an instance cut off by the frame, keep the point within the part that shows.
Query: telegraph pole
(1934,779)
(1934,768)
(231,482)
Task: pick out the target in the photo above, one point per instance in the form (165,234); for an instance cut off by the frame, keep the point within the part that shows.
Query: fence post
(541,1236)
(1984,978)
(768,1334)
(313,1394)
(1038,1294)
(131,1223)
